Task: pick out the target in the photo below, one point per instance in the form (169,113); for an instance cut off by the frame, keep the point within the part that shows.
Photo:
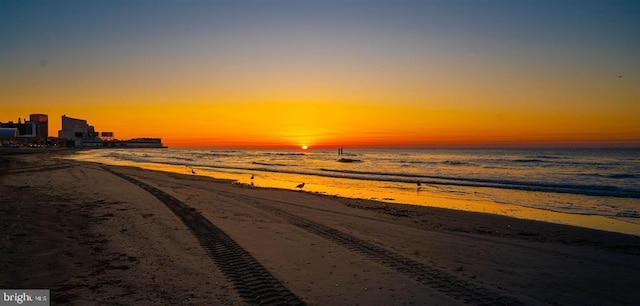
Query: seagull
(252,177)
(193,171)
(300,186)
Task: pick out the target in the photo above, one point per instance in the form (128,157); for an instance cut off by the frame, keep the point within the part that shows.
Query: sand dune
(97,234)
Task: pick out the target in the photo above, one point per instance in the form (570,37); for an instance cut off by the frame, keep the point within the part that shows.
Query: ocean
(597,188)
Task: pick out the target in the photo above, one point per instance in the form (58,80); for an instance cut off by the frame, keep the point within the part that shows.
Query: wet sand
(94,234)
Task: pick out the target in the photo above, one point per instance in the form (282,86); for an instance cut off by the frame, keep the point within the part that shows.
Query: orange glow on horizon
(323,125)
(327,74)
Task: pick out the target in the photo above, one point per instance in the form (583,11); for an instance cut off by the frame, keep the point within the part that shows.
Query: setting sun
(305,147)
(388,76)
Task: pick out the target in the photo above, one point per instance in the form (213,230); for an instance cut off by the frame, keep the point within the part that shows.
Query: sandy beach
(96,234)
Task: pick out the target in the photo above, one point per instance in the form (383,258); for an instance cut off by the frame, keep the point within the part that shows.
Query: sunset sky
(329,73)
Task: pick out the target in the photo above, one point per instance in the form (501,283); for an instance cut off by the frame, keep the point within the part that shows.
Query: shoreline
(89,235)
(427,197)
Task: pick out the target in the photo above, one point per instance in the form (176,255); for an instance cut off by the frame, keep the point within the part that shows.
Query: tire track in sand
(254,283)
(442,281)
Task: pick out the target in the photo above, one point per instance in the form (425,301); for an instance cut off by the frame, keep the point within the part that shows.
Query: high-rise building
(42,123)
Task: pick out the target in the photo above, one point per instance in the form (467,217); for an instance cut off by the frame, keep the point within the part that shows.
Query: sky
(329,73)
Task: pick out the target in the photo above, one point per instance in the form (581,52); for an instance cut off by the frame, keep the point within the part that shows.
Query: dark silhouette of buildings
(74,133)
(32,131)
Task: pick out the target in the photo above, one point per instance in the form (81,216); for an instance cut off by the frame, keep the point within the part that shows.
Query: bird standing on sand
(252,177)
(300,186)
(193,171)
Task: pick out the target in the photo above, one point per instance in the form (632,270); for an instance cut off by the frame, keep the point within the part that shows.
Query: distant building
(108,135)
(21,127)
(36,130)
(74,131)
(8,135)
(42,121)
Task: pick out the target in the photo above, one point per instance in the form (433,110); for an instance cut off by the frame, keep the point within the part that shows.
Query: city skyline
(329,73)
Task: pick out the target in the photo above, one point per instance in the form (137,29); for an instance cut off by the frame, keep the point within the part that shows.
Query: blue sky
(604,30)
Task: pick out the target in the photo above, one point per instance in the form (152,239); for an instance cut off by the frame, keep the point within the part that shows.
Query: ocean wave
(456,175)
(547,157)
(628,214)
(417,162)
(582,189)
(528,160)
(128,157)
(555,162)
(622,176)
(613,176)
(455,163)
(269,164)
(349,160)
(217,154)
(284,154)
